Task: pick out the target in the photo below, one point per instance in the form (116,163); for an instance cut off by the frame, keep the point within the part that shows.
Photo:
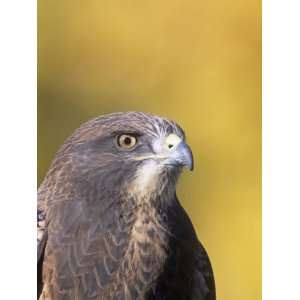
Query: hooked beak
(184,156)
(178,153)
(172,151)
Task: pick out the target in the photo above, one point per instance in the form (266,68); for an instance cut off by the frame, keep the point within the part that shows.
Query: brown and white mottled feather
(109,222)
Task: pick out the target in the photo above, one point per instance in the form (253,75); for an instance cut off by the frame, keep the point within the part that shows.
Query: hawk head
(132,153)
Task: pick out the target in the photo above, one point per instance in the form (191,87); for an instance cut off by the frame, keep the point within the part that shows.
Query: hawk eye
(127,141)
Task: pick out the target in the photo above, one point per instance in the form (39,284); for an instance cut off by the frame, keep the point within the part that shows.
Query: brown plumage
(109,222)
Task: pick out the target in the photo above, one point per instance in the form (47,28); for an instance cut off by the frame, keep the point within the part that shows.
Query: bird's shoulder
(203,284)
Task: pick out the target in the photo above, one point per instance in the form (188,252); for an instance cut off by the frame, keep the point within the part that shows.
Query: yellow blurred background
(196,62)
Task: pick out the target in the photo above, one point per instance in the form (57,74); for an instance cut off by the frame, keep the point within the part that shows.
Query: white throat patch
(146,178)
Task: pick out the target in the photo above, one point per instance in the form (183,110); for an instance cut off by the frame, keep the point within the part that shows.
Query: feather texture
(100,238)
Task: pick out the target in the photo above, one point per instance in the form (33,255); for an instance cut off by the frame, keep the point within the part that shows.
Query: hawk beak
(173,151)
(183,156)
(179,153)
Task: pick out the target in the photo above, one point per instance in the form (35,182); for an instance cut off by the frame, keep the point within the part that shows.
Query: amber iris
(127,141)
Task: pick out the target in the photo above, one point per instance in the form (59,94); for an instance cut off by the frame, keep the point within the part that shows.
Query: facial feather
(145,180)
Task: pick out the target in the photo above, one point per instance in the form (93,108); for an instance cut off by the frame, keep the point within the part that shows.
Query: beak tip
(186,156)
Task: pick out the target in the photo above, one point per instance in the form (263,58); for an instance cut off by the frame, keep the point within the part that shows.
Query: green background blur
(197,62)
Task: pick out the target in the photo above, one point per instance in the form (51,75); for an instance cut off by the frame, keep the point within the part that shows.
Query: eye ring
(126,141)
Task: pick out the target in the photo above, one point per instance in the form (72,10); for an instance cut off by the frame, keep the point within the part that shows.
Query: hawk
(110,225)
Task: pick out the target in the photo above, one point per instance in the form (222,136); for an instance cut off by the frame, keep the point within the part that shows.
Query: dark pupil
(127,141)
